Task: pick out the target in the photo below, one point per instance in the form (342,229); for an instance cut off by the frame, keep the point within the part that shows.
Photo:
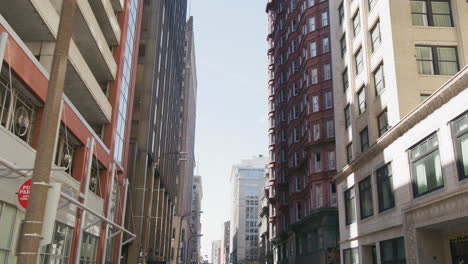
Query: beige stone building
(401,195)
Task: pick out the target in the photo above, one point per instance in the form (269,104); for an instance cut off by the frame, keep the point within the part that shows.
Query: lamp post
(180,233)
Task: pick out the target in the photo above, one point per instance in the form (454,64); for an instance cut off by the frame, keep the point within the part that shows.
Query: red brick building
(303,215)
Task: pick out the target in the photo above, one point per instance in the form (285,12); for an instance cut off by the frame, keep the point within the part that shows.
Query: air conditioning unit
(22,121)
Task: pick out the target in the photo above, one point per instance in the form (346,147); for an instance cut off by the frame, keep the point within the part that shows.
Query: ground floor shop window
(351,256)
(88,249)
(7,225)
(393,251)
(59,250)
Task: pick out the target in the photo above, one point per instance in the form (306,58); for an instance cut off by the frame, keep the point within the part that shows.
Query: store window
(59,250)
(7,227)
(88,249)
(393,251)
(351,256)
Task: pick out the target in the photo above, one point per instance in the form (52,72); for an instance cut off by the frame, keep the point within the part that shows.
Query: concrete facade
(247,179)
(225,246)
(181,225)
(95,109)
(194,241)
(155,152)
(389,78)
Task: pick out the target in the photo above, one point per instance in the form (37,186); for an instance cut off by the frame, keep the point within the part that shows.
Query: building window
(298,210)
(296,135)
(365,198)
(460,127)
(315,103)
(325,45)
(324,19)
(331,160)
(65,152)
(372,3)
(295,89)
(314,76)
(356,23)
(341,13)
(343,45)
(359,64)
(345,80)
(393,251)
(426,167)
(328,100)
(59,250)
(311,3)
(434,60)
(351,256)
(350,206)
(375,36)
(364,136)
(7,226)
(311,23)
(88,248)
(362,100)
(318,195)
(379,80)
(382,122)
(435,13)
(347,115)
(326,72)
(385,187)
(330,130)
(316,131)
(349,153)
(313,49)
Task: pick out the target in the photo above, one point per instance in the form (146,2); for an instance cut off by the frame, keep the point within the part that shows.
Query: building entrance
(459,248)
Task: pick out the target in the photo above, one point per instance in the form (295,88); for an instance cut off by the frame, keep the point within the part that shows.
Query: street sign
(23,193)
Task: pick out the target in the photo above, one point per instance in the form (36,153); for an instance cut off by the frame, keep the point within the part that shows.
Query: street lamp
(180,233)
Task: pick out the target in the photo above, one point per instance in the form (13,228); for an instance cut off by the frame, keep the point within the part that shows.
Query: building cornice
(441,96)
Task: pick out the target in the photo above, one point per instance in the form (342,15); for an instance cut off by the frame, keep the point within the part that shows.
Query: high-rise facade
(303,215)
(216,252)
(155,153)
(265,249)
(225,246)
(181,223)
(93,136)
(396,157)
(194,241)
(246,182)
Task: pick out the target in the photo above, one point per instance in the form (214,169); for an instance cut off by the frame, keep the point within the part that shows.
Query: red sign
(23,193)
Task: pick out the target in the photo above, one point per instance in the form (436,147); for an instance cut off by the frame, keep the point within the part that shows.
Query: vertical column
(159,226)
(154,220)
(410,239)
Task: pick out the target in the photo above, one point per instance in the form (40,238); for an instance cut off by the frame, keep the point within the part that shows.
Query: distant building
(265,252)
(225,246)
(216,252)
(194,244)
(246,181)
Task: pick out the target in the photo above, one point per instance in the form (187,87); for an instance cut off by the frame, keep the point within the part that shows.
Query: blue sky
(230,40)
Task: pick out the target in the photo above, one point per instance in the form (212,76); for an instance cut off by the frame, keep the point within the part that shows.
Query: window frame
(379,181)
(347,116)
(362,106)
(349,220)
(362,189)
(356,64)
(382,130)
(327,49)
(356,27)
(429,14)
(380,67)
(374,44)
(411,161)
(349,152)
(351,250)
(365,146)
(457,147)
(435,58)
(343,46)
(341,13)
(394,242)
(345,81)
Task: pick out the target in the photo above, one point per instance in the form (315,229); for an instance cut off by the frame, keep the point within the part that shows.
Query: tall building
(246,181)
(216,252)
(265,249)
(181,223)
(225,246)
(397,159)
(303,214)
(194,241)
(93,135)
(155,153)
